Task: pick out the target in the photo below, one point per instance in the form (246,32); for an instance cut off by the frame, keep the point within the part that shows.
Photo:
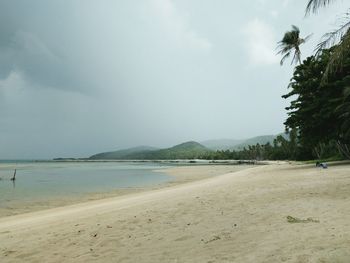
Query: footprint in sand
(9,252)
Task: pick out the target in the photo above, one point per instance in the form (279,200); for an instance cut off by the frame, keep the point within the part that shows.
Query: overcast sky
(79,77)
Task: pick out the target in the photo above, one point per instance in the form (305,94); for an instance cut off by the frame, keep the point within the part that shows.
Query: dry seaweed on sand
(291,219)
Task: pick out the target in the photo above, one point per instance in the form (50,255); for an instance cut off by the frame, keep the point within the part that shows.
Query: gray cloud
(78,77)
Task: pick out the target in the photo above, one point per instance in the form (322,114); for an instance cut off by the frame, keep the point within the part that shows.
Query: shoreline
(180,175)
(130,197)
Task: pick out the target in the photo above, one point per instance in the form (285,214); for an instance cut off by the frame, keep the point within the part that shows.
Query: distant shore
(273,213)
(178,161)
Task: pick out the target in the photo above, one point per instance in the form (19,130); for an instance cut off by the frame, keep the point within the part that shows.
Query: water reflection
(43,180)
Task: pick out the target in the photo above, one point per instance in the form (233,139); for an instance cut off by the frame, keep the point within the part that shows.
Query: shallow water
(47,180)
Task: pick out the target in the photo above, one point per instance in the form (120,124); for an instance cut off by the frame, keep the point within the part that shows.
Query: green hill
(187,150)
(122,154)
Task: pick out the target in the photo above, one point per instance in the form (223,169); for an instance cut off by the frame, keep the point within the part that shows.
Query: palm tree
(291,43)
(339,37)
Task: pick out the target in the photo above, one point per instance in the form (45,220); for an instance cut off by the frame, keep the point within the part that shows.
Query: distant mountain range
(221,144)
(229,144)
(187,150)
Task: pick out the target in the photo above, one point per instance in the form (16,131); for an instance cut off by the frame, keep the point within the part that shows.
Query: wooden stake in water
(14,176)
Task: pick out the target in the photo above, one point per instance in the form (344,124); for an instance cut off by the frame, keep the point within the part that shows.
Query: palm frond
(335,36)
(307,38)
(341,51)
(295,29)
(314,5)
(284,58)
(284,49)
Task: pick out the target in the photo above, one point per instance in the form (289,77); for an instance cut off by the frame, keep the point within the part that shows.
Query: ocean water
(43,180)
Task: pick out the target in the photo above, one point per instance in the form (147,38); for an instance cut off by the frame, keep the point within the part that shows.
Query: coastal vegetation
(320,110)
(319,113)
(282,148)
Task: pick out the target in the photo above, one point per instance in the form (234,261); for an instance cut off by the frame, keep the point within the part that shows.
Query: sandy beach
(272,213)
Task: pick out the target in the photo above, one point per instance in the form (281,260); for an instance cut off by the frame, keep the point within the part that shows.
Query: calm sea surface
(40,180)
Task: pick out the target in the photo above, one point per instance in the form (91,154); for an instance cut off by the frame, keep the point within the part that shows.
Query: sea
(47,180)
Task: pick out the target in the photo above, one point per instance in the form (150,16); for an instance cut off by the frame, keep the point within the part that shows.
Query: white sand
(237,217)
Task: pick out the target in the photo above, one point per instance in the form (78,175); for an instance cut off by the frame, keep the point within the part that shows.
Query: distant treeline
(280,149)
